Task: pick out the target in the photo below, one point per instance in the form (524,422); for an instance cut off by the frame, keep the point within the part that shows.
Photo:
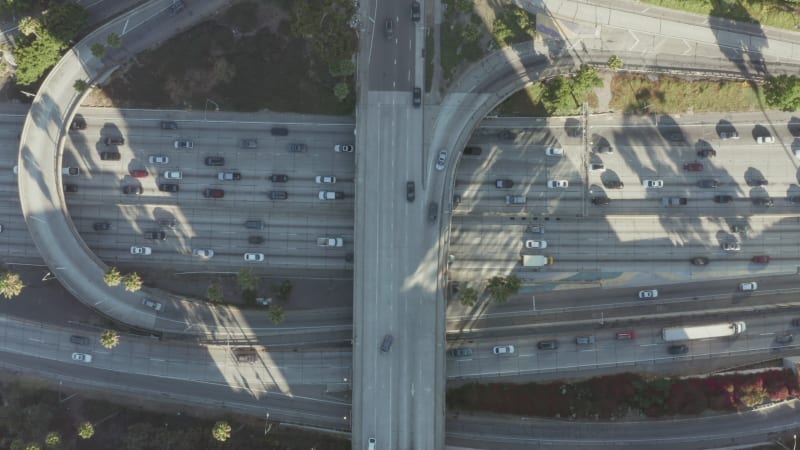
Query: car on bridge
(150,303)
(460,352)
(442,160)
(653,184)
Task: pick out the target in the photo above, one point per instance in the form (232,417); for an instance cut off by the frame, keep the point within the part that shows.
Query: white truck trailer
(716,330)
(536,260)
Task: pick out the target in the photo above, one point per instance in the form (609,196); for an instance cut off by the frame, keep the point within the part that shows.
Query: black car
(767,202)
(255,240)
(278,195)
(794,199)
(110,156)
(755,182)
(708,184)
(155,235)
(131,189)
(550,344)
(433,212)
(474,151)
(723,198)
(740,228)
(613,184)
(80,340)
(706,153)
(77,124)
(70,187)
(699,261)
(101,226)
(601,201)
(117,140)
(411,191)
(503,183)
(279,178)
(678,349)
(279,131)
(506,135)
(215,161)
(213,193)
(784,338)
(417,97)
(460,352)
(415,11)
(169,125)
(168,187)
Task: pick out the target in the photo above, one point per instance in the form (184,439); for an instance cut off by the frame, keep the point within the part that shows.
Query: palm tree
(86,430)
(276,314)
(53,439)
(113,277)
(109,339)
(221,431)
(11,285)
(133,282)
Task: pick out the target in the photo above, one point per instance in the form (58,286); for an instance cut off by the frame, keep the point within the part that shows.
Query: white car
(343,148)
(135,250)
(83,357)
(552,184)
(203,252)
(254,257)
(172,175)
(554,151)
(158,306)
(503,349)
(530,243)
(326,179)
(650,293)
(184,143)
(765,140)
(653,183)
(441,161)
(158,159)
(331,195)
(749,286)
(731,246)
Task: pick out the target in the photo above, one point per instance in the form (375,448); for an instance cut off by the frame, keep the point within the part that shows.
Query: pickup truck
(674,201)
(330,242)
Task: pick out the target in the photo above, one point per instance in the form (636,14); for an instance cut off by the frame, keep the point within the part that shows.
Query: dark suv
(155,235)
(213,193)
(474,151)
(550,344)
(433,212)
(410,191)
(460,352)
(278,195)
(279,178)
(215,161)
(503,183)
(417,97)
(169,125)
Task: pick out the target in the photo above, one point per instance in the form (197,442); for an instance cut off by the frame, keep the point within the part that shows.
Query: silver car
(442,160)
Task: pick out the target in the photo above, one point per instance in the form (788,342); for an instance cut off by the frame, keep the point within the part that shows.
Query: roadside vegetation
(783,92)
(639,93)
(498,289)
(472,29)
(35,417)
(560,96)
(273,54)
(775,13)
(615,396)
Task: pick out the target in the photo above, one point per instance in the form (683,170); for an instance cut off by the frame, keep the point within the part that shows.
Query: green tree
(53,439)
(284,290)
(98,50)
(29,26)
(133,282)
(86,430)
(247,281)
(513,284)
(17,444)
(468,296)
(114,40)
(342,68)
(276,314)
(341,91)
(584,81)
(113,277)
(11,285)
(221,431)
(500,288)
(109,339)
(35,56)
(215,293)
(80,86)
(470,34)
(614,62)
(33,446)
(64,21)
(783,92)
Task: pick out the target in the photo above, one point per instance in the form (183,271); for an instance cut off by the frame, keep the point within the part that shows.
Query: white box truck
(536,260)
(717,330)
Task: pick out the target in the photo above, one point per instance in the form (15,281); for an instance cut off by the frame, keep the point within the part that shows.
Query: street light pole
(205,108)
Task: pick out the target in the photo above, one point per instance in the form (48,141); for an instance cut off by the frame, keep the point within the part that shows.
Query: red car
(764,259)
(213,193)
(693,167)
(138,173)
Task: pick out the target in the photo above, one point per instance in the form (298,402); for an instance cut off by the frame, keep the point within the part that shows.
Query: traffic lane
(392,49)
